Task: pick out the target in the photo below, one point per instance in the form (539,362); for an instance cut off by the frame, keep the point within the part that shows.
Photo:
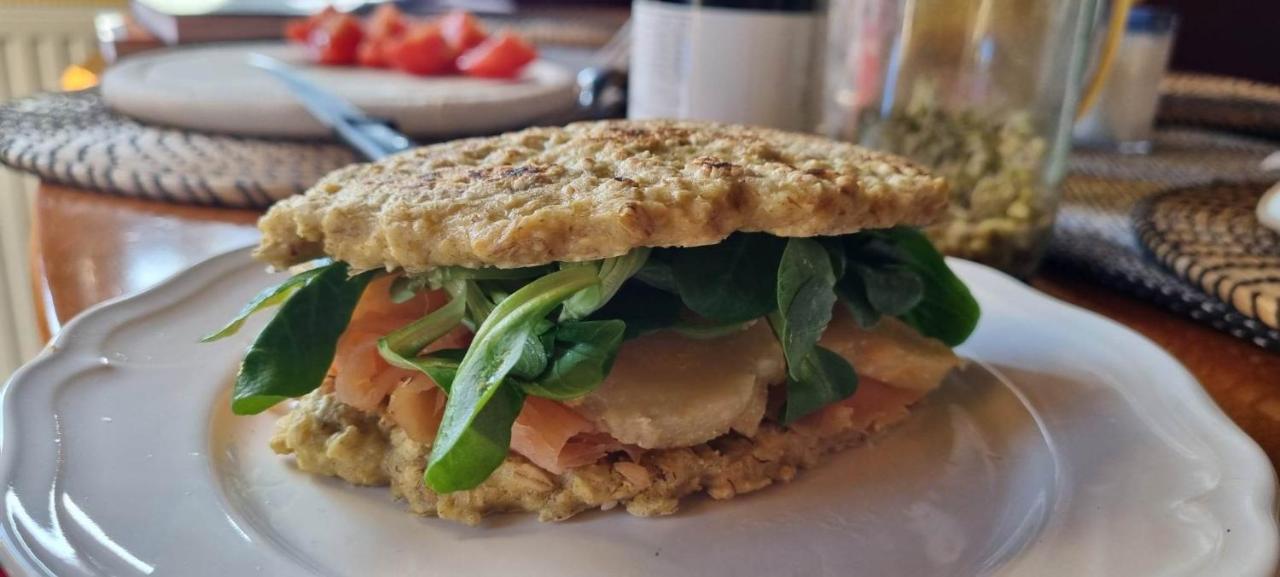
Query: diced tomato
(502,56)
(386,22)
(382,31)
(453,43)
(423,51)
(376,52)
(462,30)
(298,30)
(336,40)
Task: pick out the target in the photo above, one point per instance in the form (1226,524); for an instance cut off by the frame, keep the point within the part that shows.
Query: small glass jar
(981,91)
(1123,119)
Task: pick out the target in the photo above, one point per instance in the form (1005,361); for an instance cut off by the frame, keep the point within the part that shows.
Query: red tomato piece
(423,51)
(386,22)
(462,30)
(502,56)
(299,29)
(336,40)
(375,52)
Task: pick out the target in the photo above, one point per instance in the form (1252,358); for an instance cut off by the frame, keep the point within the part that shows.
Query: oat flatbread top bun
(594,190)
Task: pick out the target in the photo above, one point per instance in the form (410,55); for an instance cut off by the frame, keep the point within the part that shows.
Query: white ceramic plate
(211,87)
(1269,204)
(1269,208)
(1100,455)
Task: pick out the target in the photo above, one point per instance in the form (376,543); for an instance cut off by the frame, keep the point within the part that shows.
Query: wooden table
(90,247)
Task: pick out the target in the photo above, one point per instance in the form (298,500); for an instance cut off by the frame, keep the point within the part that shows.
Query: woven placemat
(73,138)
(1095,235)
(1210,236)
(1220,102)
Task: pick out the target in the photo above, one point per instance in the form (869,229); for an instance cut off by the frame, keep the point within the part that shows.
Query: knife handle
(602,92)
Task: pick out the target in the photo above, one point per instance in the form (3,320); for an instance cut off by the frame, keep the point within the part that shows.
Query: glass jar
(982,91)
(1124,118)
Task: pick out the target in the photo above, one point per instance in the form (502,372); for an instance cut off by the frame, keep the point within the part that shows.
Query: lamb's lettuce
(732,281)
(403,344)
(291,355)
(475,433)
(269,297)
(582,355)
(612,272)
(816,377)
(947,310)
(897,272)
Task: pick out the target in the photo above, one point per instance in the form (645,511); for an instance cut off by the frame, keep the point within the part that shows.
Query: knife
(373,138)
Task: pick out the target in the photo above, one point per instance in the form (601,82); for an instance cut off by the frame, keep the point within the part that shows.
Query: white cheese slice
(892,352)
(668,390)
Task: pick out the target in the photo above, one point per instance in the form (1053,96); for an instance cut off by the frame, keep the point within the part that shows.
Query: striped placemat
(1210,236)
(73,138)
(1220,102)
(1096,234)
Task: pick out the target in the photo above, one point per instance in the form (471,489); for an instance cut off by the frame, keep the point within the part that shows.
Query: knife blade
(373,138)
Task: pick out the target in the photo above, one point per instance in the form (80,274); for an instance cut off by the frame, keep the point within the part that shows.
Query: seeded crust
(329,438)
(593,190)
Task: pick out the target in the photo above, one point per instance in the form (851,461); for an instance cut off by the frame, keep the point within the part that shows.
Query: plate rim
(1241,459)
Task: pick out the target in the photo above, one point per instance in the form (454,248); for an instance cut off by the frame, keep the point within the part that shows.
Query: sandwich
(605,314)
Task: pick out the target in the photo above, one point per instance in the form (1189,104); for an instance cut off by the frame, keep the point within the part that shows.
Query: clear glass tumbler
(982,91)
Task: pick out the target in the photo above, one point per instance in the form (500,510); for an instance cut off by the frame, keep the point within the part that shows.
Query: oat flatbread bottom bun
(332,439)
(613,314)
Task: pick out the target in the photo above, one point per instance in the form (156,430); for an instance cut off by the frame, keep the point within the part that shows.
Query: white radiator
(36,44)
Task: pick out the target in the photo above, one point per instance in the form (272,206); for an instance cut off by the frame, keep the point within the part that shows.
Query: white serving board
(212,88)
